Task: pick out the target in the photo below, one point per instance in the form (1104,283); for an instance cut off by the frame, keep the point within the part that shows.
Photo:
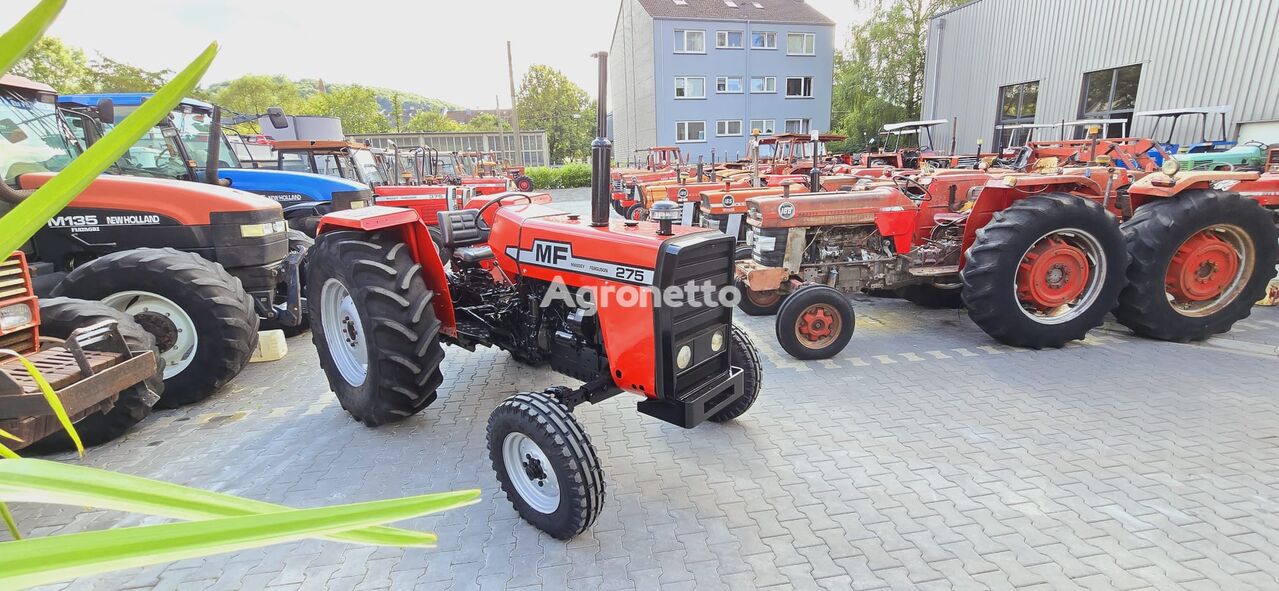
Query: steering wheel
(911,187)
(496,201)
(1018,162)
(165,157)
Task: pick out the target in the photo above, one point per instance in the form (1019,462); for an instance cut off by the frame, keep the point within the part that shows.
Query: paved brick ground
(924,457)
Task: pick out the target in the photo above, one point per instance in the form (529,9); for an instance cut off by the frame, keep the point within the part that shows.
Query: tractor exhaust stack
(601,150)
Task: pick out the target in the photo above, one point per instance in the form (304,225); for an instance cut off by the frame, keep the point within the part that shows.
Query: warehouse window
(797,125)
(690,41)
(1110,94)
(799,87)
(1017,104)
(801,44)
(728,128)
(765,126)
(689,87)
(690,131)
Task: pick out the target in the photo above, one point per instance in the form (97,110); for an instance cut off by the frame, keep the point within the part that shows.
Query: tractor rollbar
(601,150)
(215,146)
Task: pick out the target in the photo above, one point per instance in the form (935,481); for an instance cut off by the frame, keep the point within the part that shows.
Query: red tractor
(1038,259)
(550,288)
(661,163)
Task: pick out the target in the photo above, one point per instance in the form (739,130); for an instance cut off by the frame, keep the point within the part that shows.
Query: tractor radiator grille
(703,259)
(13,281)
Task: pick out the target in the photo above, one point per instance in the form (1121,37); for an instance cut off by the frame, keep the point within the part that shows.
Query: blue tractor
(197,127)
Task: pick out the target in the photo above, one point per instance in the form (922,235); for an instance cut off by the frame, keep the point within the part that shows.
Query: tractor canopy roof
(125,99)
(915,125)
(319,145)
(1179,111)
(18,82)
(802,137)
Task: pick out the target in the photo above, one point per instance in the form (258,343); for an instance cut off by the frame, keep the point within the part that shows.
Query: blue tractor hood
(289,187)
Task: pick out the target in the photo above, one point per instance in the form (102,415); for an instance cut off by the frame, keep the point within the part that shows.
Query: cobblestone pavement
(926,456)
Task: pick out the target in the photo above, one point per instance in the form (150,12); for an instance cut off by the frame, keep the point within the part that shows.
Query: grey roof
(772,11)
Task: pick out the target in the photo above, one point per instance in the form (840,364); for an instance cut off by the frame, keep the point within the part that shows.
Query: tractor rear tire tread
(742,353)
(1156,229)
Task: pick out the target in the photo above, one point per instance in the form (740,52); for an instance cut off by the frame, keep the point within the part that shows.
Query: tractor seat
(473,254)
(461,228)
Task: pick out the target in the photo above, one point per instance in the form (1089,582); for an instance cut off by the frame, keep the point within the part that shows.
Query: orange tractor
(1038,258)
(661,163)
(550,288)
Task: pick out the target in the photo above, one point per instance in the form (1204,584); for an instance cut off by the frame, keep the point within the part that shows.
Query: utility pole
(515,112)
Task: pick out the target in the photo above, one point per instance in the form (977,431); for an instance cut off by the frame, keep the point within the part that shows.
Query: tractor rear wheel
(928,295)
(1044,271)
(523,183)
(546,464)
(203,321)
(59,317)
(374,326)
(815,322)
(758,303)
(742,353)
(1200,261)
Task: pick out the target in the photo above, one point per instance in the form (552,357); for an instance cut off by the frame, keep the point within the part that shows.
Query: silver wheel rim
(531,473)
(343,332)
(1092,250)
(178,356)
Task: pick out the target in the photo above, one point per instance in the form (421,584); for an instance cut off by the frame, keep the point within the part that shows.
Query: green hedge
(560,177)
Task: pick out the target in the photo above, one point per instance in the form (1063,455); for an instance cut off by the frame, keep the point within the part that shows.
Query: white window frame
(810,43)
(767,35)
(764,129)
(770,84)
(721,128)
(801,78)
(681,128)
(725,79)
(806,122)
(682,35)
(741,40)
(686,79)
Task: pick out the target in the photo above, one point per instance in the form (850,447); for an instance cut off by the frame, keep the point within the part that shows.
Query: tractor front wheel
(742,354)
(545,464)
(1044,271)
(636,213)
(1200,261)
(523,183)
(758,303)
(815,322)
(373,325)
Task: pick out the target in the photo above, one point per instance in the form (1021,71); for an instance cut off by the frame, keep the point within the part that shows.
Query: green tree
(355,105)
(549,100)
(879,77)
(108,75)
(431,121)
(52,62)
(483,122)
(254,94)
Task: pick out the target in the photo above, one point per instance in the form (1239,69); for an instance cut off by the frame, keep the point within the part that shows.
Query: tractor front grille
(703,259)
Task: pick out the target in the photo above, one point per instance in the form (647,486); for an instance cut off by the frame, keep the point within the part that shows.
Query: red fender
(417,236)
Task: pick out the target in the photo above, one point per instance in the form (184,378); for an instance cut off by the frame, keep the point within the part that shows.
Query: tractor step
(692,408)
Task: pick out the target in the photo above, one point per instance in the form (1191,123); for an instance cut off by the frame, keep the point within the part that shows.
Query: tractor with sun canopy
(1038,258)
(581,296)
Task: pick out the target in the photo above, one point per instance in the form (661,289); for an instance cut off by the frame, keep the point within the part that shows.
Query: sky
(447,49)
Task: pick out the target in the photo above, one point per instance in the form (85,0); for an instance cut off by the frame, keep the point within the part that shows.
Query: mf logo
(551,253)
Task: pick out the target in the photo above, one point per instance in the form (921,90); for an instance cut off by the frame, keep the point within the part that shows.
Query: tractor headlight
(1170,166)
(261,230)
(1010,180)
(358,203)
(717,341)
(14,316)
(684,357)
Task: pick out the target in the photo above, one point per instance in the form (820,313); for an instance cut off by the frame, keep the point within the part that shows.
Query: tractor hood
(824,209)
(288,187)
(186,202)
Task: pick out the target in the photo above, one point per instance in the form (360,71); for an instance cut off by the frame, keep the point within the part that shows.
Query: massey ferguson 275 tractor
(382,303)
(1039,259)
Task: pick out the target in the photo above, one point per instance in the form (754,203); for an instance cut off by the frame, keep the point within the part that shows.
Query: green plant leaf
(9,522)
(51,397)
(15,43)
(38,561)
(17,226)
(42,481)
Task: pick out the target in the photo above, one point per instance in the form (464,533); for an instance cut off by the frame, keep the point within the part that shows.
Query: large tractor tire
(815,322)
(1044,271)
(758,303)
(928,295)
(203,322)
(546,464)
(742,353)
(1200,261)
(59,317)
(374,326)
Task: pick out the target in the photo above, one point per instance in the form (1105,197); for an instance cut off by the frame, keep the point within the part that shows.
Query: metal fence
(534,149)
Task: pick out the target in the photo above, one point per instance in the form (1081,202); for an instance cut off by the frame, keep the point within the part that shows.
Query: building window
(763,84)
(801,87)
(688,87)
(801,44)
(690,131)
(728,84)
(728,39)
(729,128)
(765,126)
(1017,104)
(1110,94)
(690,41)
(797,125)
(763,40)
